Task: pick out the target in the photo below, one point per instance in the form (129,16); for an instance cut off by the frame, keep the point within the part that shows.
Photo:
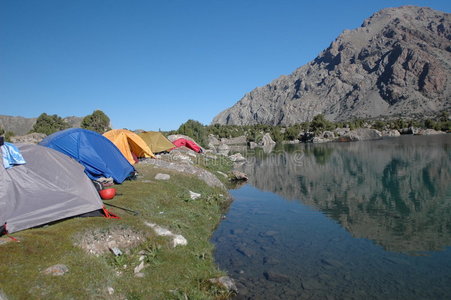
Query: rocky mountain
(398,63)
(21,125)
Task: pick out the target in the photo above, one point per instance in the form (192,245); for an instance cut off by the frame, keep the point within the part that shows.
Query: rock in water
(276,277)
(226,282)
(238,176)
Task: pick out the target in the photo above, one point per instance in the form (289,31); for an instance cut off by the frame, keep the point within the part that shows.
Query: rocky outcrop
(179,162)
(398,63)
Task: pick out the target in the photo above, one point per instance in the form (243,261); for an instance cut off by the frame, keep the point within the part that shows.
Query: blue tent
(98,154)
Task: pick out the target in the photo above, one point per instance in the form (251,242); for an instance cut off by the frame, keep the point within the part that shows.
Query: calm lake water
(360,220)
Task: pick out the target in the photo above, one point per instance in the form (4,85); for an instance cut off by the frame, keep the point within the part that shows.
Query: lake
(358,220)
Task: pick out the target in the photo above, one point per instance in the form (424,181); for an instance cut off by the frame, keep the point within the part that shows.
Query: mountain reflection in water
(395,192)
(342,221)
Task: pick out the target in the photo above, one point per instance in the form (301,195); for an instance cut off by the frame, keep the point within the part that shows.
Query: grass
(182,272)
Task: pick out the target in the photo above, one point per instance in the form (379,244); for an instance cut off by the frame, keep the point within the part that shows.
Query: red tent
(187,143)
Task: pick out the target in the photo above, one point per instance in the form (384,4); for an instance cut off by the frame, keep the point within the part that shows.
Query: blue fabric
(99,156)
(11,156)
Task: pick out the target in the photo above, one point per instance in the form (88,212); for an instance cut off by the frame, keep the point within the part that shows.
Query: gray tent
(50,186)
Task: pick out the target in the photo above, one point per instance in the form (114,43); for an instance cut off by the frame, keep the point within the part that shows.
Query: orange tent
(129,143)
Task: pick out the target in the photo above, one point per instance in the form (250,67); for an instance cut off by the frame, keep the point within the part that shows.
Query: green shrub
(195,130)
(97,121)
(49,124)
(320,124)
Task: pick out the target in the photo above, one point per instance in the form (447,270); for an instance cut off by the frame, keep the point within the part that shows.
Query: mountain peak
(397,63)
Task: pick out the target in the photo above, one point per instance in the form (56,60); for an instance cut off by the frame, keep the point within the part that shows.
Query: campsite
(151,238)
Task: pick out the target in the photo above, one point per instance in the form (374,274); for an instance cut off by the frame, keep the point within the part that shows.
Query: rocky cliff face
(398,63)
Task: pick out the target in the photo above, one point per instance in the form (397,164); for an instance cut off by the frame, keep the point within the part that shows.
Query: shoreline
(165,250)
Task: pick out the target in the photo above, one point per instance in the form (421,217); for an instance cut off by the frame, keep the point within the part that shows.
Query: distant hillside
(398,63)
(21,125)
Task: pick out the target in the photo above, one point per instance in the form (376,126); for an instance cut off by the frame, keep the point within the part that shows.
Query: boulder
(234,141)
(341,131)
(186,167)
(390,133)
(237,157)
(408,130)
(223,149)
(319,140)
(213,140)
(363,134)
(429,132)
(238,176)
(267,140)
(328,135)
(194,195)
(253,145)
(174,137)
(161,176)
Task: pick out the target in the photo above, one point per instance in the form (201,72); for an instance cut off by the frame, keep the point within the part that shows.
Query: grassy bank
(181,272)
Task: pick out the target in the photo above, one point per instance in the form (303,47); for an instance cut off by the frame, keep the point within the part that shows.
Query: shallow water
(342,221)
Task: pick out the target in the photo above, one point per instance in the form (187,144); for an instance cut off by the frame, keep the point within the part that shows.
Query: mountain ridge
(397,63)
(21,125)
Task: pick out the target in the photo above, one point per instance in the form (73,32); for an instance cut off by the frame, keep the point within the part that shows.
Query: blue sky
(155,64)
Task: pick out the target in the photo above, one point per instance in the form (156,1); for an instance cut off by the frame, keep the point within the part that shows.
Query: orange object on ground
(108,193)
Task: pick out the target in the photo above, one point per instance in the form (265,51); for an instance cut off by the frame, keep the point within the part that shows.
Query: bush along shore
(318,130)
(158,249)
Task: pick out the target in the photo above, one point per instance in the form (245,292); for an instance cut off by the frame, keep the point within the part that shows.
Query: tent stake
(135,213)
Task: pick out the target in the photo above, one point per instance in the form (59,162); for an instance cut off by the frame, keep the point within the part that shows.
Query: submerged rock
(276,277)
(225,282)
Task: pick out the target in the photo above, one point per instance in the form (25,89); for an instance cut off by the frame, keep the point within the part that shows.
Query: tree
(195,130)
(276,134)
(292,133)
(379,125)
(97,121)
(320,124)
(49,124)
